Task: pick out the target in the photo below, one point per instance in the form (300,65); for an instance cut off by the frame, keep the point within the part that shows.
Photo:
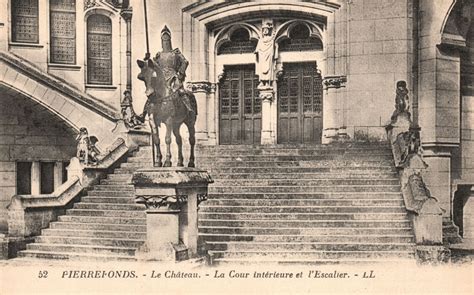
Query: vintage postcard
(236,147)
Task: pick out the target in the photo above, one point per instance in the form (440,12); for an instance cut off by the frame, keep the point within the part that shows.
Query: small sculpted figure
(402,103)
(87,152)
(128,113)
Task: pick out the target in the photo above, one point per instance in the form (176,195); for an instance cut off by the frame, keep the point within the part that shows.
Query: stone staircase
(105,224)
(284,204)
(304,204)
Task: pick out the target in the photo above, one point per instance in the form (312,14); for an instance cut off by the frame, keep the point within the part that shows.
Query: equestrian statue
(167,100)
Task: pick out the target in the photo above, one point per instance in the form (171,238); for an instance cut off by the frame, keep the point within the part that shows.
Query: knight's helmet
(166,40)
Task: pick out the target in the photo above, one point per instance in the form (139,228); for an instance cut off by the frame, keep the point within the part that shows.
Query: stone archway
(203,24)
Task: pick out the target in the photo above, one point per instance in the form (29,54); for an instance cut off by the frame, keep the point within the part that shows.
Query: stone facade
(367,46)
(28,133)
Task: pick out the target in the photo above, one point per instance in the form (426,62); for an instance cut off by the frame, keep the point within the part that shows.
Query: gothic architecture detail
(162,202)
(201,86)
(334,82)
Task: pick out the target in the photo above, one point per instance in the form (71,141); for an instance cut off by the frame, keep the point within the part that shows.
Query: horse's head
(148,74)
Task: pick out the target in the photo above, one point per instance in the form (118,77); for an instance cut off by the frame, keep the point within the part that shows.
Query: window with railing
(62,31)
(99,50)
(24,15)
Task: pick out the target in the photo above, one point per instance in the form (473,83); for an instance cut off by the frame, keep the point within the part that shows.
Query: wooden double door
(240,108)
(300,104)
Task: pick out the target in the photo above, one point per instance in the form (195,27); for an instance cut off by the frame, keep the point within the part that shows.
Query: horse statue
(170,106)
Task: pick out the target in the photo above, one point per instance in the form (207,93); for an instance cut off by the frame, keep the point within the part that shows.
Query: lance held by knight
(173,64)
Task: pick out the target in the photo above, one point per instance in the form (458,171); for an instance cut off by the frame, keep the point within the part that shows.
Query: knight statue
(174,65)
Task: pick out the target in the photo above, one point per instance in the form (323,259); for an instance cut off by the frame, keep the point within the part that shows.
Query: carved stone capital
(267,94)
(201,86)
(127,14)
(334,82)
(165,201)
(201,198)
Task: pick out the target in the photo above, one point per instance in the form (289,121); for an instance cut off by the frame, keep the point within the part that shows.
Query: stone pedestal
(267,97)
(172,196)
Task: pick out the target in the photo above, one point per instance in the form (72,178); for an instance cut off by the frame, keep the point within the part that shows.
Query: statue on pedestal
(265,55)
(128,113)
(87,152)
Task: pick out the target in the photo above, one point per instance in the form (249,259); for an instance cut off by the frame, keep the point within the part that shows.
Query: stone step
(302,209)
(114,193)
(302,216)
(303,182)
(306,224)
(329,230)
(292,170)
(305,195)
(286,164)
(98,226)
(74,256)
(302,202)
(113,220)
(112,200)
(105,213)
(310,254)
(94,234)
(93,249)
(359,262)
(120,177)
(111,242)
(115,182)
(362,175)
(307,246)
(302,189)
(106,206)
(400,238)
(114,187)
(226,158)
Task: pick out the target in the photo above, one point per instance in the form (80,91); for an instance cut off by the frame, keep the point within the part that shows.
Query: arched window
(240,42)
(62,31)
(25,21)
(300,40)
(99,50)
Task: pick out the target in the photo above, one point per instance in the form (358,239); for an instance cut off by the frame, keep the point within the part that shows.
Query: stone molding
(334,82)
(162,201)
(201,86)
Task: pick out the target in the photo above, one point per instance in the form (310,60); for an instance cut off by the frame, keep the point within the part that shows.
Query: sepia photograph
(236,146)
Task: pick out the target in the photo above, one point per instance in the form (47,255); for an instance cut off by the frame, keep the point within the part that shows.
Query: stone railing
(29,214)
(423,209)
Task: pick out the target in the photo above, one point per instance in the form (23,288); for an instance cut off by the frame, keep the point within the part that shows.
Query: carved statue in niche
(266,55)
(402,102)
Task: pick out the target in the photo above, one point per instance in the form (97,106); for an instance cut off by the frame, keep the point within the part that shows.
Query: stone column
(201,90)
(58,174)
(35,178)
(127,16)
(330,112)
(267,96)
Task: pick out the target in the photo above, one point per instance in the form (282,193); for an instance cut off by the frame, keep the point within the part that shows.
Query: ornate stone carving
(160,201)
(334,82)
(266,94)
(402,102)
(201,198)
(202,86)
(115,3)
(128,113)
(87,152)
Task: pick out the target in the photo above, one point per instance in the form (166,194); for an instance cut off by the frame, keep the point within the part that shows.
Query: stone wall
(27,133)
(379,53)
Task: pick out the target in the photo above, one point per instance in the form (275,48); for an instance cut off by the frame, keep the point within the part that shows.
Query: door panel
(239,106)
(300,94)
